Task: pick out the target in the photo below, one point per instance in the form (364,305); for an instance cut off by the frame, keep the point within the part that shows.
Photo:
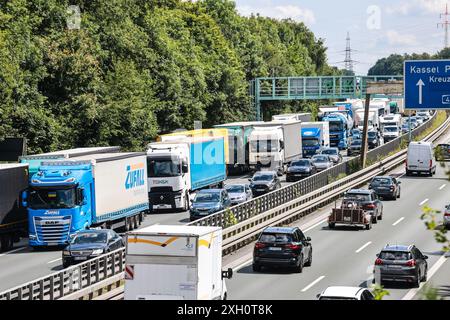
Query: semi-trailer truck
(373,120)
(34,161)
(303,117)
(238,145)
(339,130)
(107,190)
(13,216)
(177,168)
(175,263)
(315,136)
(275,144)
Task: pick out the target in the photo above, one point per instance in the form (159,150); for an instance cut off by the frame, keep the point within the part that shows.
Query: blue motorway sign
(427,84)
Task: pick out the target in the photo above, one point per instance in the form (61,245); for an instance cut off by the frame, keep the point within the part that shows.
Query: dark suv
(398,263)
(386,187)
(368,200)
(264,182)
(373,139)
(282,247)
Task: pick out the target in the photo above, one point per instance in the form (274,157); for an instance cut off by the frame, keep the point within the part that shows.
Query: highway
(345,256)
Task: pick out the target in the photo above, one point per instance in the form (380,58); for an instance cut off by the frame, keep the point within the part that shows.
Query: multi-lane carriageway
(343,256)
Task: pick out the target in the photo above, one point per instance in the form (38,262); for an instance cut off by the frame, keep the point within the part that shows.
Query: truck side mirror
(24,198)
(227,274)
(184,168)
(81,196)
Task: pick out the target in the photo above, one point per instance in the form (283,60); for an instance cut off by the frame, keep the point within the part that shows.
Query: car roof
(397,247)
(210,191)
(264,172)
(359,191)
(382,177)
(94,231)
(235,184)
(341,291)
(280,229)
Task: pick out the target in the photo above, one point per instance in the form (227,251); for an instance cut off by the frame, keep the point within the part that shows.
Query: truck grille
(53,229)
(156,199)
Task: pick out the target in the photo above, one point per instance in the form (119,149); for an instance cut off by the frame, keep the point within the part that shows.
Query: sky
(377,28)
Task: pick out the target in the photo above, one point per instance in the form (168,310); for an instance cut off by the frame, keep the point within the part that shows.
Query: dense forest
(393,65)
(136,68)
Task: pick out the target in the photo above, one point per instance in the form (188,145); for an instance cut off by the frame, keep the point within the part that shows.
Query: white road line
(398,221)
(364,246)
(242,265)
(54,260)
(411,293)
(15,250)
(312,283)
(442,187)
(316,225)
(423,202)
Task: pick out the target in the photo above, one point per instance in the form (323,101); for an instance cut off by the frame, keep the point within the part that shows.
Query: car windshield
(394,255)
(263,177)
(390,129)
(235,189)
(357,197)
(276,237)
(207,197)
(330,151)
(319,159)
(52,198)
(337,298)
(90,237)
(300,163)
(163,168)
(356,142)
(381,181)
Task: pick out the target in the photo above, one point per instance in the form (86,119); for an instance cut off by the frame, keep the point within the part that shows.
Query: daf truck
(13,216)
(275,144)
(179,167)
(175,263)
(315,136)
(107,190)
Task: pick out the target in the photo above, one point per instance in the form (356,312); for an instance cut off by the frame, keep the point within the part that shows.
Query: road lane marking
(242,265)
(54,260)
(411,293)
(423,202)
(312,283)
(316,225)
(363,247)
(15,250)
(442,187)
(398,221)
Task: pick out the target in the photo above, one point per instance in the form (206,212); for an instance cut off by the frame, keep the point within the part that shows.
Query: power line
(445,24)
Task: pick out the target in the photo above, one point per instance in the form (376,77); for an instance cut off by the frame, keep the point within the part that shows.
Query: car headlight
(97,251)
(66,253)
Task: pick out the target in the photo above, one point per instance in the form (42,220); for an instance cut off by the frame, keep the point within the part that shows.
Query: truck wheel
(6,242)
(256,267)
(331,225)
(135,222)
(128,226)
(368,226)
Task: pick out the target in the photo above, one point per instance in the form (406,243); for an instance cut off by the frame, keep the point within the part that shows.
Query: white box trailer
(175,263)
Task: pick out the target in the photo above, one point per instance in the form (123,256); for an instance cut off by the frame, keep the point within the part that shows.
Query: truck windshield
(264,146)
(335,126)
(308,142)
(52,198)
(163,168)
(390,129)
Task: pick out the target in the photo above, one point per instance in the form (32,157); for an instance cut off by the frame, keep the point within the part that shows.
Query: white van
(420,158)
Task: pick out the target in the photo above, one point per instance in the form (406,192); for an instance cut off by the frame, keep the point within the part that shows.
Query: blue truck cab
(338,130)
(311,141)
(59,203)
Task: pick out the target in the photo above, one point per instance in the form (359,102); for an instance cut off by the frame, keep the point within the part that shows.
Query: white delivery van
(175,263)
(420,158)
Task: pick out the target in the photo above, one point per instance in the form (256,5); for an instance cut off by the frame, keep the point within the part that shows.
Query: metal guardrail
(71,280)
(281,206)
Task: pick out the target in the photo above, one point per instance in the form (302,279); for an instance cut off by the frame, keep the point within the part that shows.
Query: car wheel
(309,262)
(65,264)
(256,267)
(425,276)
(368,226)
(375,219)
(417,282)
(299,268)
(430,174)
(398,196)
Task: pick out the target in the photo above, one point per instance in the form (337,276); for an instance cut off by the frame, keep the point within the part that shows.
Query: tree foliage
(136,68)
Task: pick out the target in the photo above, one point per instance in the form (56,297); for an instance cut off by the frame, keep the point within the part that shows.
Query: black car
(299,169)
(368,200)
(386,187)
(442,152)
(354,147)
(282,247)
(209,201)
(373,139)
(397,263)
(264,182)
(89,244)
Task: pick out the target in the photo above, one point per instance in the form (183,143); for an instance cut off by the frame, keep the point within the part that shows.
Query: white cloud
(281,12)
(403,9)
(395,38)
(432,6)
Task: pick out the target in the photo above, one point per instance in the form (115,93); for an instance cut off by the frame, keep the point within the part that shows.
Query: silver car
(322,162)
(333,153)
(239,193)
